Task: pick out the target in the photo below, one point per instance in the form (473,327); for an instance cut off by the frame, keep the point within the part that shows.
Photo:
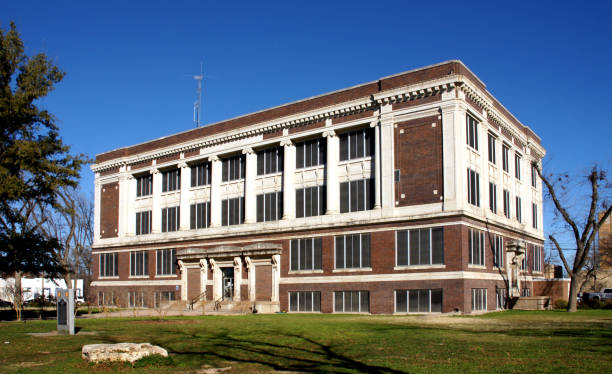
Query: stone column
(203,278)
(249,190)
(376,164)
(215,191)
(251,270)
(156,210)
(184,204)
(387,166)
(183,271)
(288,176)
(454,165)
(123,202)
(131,213)
(275,277)
(98,201)
(331,181)
(217,280)
(237,277)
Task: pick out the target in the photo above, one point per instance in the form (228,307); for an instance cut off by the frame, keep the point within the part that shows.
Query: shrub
(561,304)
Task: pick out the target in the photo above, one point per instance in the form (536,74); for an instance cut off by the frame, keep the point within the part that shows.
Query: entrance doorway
(228,283)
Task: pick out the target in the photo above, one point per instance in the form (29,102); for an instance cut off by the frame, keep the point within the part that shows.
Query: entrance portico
(256,266)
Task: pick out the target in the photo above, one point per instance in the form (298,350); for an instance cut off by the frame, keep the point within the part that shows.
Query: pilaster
(156,210)
(453,137)
(97,202)
(387,161)
(130,227)
(249,190)
(215,192)
(275,277)
(203,277)
(331,183)
(251,270)
(376,164)
(288,177)
(183,271)
(123,202)
(237,277)
(184,202)
(217,280)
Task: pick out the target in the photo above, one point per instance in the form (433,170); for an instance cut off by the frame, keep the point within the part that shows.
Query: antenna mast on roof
(197,105)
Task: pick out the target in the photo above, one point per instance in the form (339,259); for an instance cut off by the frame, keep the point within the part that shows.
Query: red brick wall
(418,156)
(193,282)
(109,210)
(353,117)
(263,282)
(557,289)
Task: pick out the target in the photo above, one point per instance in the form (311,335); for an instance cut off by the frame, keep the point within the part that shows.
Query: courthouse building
(399,195)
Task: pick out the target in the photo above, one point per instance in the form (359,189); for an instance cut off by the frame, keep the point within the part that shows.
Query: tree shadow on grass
(308,355)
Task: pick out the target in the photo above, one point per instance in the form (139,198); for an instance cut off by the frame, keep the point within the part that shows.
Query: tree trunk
(18,297)
(573,293)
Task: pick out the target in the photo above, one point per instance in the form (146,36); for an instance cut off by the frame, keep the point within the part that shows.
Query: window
(310,201)
(524,261)
(139,263)
(473,187)
(537,258)
(501,297)
(498,251)
(162,298)
(199,215)
(305,301)
(232,211)
(270,161)
(517,166)
(144,185)
(310,153)
(351,301)
(493,197)
(476,247)
(136,299)
(492,155)
(306,254)
(356,195)
(269,206)
(505,158)
(519,216)
(232,168)
(170,219)
(420,246)
(526,292)
(171,180)
(166,261)
(143,222)
(479,299)
(109,265)
(471,132)
(357,144)
(534,176)
(418,301)
(353,251)
(534,215)
(200,174)
(506,203)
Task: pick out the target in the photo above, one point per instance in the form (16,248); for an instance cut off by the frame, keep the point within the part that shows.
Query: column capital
(183,165)
(329,133)
(213,158)
(374,123)
(237,261)
(181,265)
(155,171)
(286,143)
(213,263)
(248,151)
(203,263)
(248,261)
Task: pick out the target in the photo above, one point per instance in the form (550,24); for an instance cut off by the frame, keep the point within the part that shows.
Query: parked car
(5,304)
(605,295)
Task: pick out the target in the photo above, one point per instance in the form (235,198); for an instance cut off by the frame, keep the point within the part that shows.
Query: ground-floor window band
(162,298)
(352,301)
(305,301)
(418,301)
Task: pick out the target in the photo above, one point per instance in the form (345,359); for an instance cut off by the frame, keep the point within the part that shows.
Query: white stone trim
(396,277)
(101,283)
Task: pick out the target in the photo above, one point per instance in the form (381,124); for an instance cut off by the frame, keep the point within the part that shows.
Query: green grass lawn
(504,342)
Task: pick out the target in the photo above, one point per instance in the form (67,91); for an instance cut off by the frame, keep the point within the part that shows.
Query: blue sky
(129,64)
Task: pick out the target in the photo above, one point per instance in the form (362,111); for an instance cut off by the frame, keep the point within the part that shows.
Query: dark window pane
(344,197)
(322,200)
(322,151)
(260,208)
(401,301)
(348,251)
(436,300)
(365,250)
(413,301)
(293,301)
(338,299)
(299,155)
(424,247)
(344,147)
(316,301)
(260,163)
(365,301)
(318,253)
(294,254)
(437,240)
(414,247)
(299,203)
(402,247)
(339,252)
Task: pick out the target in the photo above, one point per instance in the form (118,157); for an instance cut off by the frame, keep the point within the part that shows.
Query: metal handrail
(196,299)
(218,304)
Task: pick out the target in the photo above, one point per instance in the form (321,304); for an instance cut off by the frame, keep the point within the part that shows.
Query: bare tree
(584,232)
(70,220)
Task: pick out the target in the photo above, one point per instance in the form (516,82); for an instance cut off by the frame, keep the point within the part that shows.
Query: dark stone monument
(65,310)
